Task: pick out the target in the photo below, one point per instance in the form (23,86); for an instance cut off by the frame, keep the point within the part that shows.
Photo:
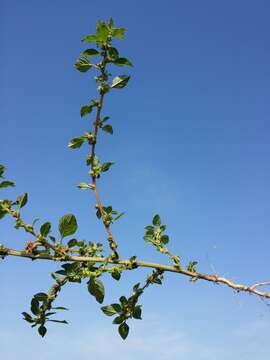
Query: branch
(145,264)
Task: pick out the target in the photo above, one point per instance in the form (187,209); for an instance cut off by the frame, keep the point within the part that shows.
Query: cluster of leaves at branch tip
(155,235)
(45,243)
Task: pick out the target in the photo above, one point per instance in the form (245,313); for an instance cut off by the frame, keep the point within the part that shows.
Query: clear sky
(191,143)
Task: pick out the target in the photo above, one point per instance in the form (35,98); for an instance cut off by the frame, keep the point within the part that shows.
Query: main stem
(146,264)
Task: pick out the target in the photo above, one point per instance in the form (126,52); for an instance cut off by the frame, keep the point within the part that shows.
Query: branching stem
(145,264)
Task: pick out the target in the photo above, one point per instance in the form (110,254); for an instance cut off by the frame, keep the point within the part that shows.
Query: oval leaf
(76,142)
(67,225)
(156,220)
(96,288)
(6,183)
(120,81)
(123,330)
(90,52)
(82,64)
(45,229)
(42,330)
(122,62)
(22,200)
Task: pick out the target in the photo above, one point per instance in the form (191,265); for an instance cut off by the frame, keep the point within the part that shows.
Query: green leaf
(72,242)
(158,281)
(96,288)
(67,225)
(90,52)
(85,186)
(42,330)
(86,109)
(122,62)
(176,260)
(108,128)
(35,306)
(41,296)
(106,166)
(22,200)
(156,220)
(27,317)
(164,239)
(90,38)
(76,142)
(119,319)
(120,81)
(45,229)
(111,309)
(82,64)
(2,170)
(123,330)
(119,33)
(102,31)
(6,183)
(192,266)
(113,53)
(116,274)
(137,312)
(148,239)
(123,300)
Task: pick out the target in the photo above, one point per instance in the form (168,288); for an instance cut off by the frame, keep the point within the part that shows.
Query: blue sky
(191,142)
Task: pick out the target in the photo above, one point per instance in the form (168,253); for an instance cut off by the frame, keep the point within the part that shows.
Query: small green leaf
(107,128)
(116,274)
(41,297)
(96,288)
(82,64)
(90,52)
(86,109)
(106,166)
(90,38)
(72,242)
(22,200)
(120,81)
(27,317)
(35,306)
(137,312)
(119,33)
(2,170)
(122,62)
(6,183)
(111,309)
(45,229)
(102,31)
(42,330)
(85,186)
(192,266)
(123,330)
(76,142)
(123,300)
(156,220)
(119,319)
(113,53)
(67,225)
(164,239)
(148,239)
